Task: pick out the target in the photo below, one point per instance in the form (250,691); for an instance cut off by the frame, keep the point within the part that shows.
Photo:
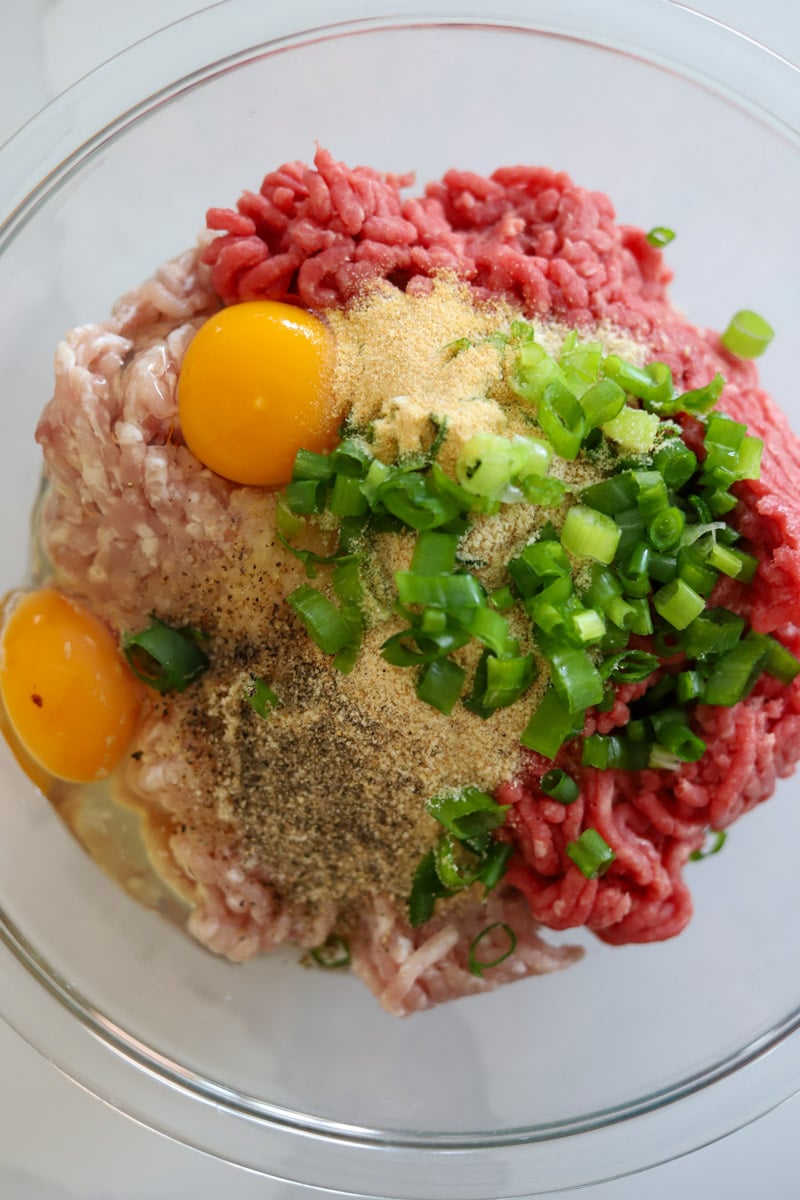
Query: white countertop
(56,1141)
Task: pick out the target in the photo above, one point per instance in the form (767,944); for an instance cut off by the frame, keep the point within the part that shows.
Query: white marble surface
(57,1142)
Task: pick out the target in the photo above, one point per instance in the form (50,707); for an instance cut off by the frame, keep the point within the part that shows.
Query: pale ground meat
(312,820)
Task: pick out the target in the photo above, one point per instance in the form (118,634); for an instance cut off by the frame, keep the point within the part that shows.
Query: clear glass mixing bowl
(637,1054)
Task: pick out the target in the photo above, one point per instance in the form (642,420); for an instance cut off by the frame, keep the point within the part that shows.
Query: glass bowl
(637,1054)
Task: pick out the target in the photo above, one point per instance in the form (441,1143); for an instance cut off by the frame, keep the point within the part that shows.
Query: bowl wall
(295,1072)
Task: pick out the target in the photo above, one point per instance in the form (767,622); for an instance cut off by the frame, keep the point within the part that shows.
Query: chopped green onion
(533,370)
(455,873)
(780,662)
(260,696)
(629,666)
(613,752)
(495,865)
(347,499)
(559,786)
(575,678)
(675,462)
(477,965)
(502,599)
(321,618)
(440,684)
(588,533)
(690,686)
(561,417)
(678,603)
(538,563)
(459,811)
(304,496)
(720,837)
(602,402)
(701,400)
(426,889)
(441,591)
(666,528)
(747,335)
(309,465)
(434,553)
(660,236)
(735,673)
(591,853)
(333,953)
(350,459)
(651,384)
(410,497)
(550,725)
(612,496)
(165,658)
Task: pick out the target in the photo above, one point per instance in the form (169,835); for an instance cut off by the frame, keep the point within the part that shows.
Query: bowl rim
(41,150)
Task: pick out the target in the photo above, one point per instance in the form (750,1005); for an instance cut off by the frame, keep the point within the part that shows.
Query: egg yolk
(68,694)
(254,389)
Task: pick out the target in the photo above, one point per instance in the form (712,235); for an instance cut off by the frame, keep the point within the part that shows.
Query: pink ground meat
(315,237)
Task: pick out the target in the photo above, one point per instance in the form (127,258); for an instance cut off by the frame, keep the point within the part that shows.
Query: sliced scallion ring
(478,965)
(165,658)
(260,696)
(747,335)
(333,953)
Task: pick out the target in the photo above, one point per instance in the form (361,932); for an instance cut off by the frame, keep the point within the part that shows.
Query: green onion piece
(546,493)
(720,837)
(603,588)
(538,564)
(409,496)
(713,633)
(561,417)
(495,866)
(575,678)
(602,402)
(309,465)
(614,753)
(559,786)
(651,384)
(694,570)
(499,682)
(675,462)
(639,621)
(629,666)
(533,370)
(347,498)
(430,646)
(485,465)
(426,889)
(351,459)
(701,400)
(165,658)
(434,553)
(586,626)
(591,853)
(666,528)
(660,236)
(725,560)
(612,496)
(664,567)
(678,603)
(735,673)
(478,965)
(780,662)
(674,735)
(632,530)
(588,533)
(260,696)
(440,684)
(488,626)
(457,812)
(502,599)
(455,866)
(652,494)
(689,686)
(747,335)
(441,591)
(304,496)
(333,953)
(321,618)
(550,725)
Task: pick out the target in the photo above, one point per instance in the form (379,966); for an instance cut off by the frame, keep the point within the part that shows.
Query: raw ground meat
(315,237)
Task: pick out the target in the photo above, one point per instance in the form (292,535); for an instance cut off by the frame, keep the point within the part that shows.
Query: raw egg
(254,389)
(68,694)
